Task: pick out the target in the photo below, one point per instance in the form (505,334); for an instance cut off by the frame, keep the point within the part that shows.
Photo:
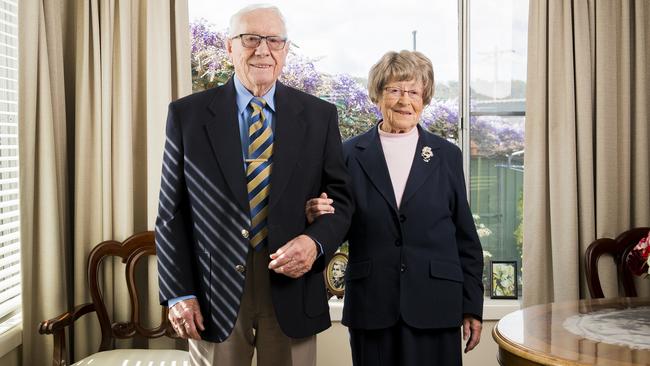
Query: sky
(350,36)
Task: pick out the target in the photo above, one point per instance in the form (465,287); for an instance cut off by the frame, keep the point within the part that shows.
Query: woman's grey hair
(402,66)
(236,18)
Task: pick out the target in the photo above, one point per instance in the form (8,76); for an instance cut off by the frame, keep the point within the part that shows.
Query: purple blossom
(441,118)
(494,136)
(300,72)
(209,59)
(491,136)
(350,94)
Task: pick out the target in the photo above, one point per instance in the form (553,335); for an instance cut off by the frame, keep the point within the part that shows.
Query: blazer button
(402,268)
(398,243)
(240,268)
(402,218)
(244,233)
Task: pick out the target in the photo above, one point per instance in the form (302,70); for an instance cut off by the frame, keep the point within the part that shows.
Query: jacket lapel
(223,133)
(372,161)
(287,140)
(421,169)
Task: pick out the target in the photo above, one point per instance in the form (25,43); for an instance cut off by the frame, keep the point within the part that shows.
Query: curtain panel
(587,138)
(95,80)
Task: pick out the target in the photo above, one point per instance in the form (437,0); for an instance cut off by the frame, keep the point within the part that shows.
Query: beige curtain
(117,41)
(43,152)
(85,163)
(587,137)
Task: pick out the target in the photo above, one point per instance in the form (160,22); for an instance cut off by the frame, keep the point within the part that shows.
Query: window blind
(10,279)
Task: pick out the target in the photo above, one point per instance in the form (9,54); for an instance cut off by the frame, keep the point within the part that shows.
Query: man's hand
(294,258)
(471,328)
(318,206)
(185,317)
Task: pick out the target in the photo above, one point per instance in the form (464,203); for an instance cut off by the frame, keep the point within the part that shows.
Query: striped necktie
(258,171)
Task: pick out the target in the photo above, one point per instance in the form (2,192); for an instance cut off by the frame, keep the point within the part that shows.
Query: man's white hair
(236,18)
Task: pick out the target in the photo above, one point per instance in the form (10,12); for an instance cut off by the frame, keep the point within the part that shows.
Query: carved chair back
(131,252)
(618,248)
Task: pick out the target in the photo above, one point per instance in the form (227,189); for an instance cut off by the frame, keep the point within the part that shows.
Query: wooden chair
(618,248)
(131,251)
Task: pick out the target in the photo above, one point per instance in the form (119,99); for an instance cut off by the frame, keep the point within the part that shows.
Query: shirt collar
(244,96)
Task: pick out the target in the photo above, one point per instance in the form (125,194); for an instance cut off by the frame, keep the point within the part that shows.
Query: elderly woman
(415,265)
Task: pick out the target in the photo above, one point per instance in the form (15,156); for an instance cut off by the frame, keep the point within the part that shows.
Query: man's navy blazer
(422,262)
(203,218)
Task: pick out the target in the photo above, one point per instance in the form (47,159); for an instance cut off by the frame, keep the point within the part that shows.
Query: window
(497,101)
(10,299)
(334,49)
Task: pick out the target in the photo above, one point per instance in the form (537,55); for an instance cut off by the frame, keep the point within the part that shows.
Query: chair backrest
(618,248)
(131,251)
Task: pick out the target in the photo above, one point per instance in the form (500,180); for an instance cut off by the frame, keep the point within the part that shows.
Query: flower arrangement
(638,260)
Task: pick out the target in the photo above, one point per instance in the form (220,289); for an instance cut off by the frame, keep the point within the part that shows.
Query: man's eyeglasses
(395,92)
(248,40)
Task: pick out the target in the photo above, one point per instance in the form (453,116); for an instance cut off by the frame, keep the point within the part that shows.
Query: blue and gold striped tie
(258,171)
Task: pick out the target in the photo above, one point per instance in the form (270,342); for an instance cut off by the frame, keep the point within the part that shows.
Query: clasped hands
(295,258)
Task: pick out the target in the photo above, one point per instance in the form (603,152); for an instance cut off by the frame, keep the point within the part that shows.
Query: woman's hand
(471,329)
(318,206)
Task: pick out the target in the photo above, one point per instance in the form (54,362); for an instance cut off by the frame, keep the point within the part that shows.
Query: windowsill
(10,340)
(492,309)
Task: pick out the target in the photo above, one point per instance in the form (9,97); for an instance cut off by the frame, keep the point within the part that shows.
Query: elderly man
(238,264)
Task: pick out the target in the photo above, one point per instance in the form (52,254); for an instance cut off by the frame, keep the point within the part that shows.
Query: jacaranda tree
(211,67)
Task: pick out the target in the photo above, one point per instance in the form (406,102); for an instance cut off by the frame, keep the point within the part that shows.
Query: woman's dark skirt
(406,346)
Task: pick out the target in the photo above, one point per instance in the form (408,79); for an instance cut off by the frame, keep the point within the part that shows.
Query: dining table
(611,332)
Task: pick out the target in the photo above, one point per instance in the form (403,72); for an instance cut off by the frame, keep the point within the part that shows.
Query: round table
(540,335)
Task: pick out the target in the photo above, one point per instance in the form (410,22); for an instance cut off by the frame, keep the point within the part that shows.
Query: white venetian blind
(10,299)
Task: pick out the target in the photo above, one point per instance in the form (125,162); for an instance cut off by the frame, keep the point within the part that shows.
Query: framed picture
(335,275)
(503,275)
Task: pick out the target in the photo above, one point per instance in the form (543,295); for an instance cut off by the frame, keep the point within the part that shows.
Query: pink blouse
(399,149)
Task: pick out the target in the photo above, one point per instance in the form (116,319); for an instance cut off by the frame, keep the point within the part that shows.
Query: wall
(13,358)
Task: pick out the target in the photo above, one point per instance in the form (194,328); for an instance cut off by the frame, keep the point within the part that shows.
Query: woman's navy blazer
(423,261)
